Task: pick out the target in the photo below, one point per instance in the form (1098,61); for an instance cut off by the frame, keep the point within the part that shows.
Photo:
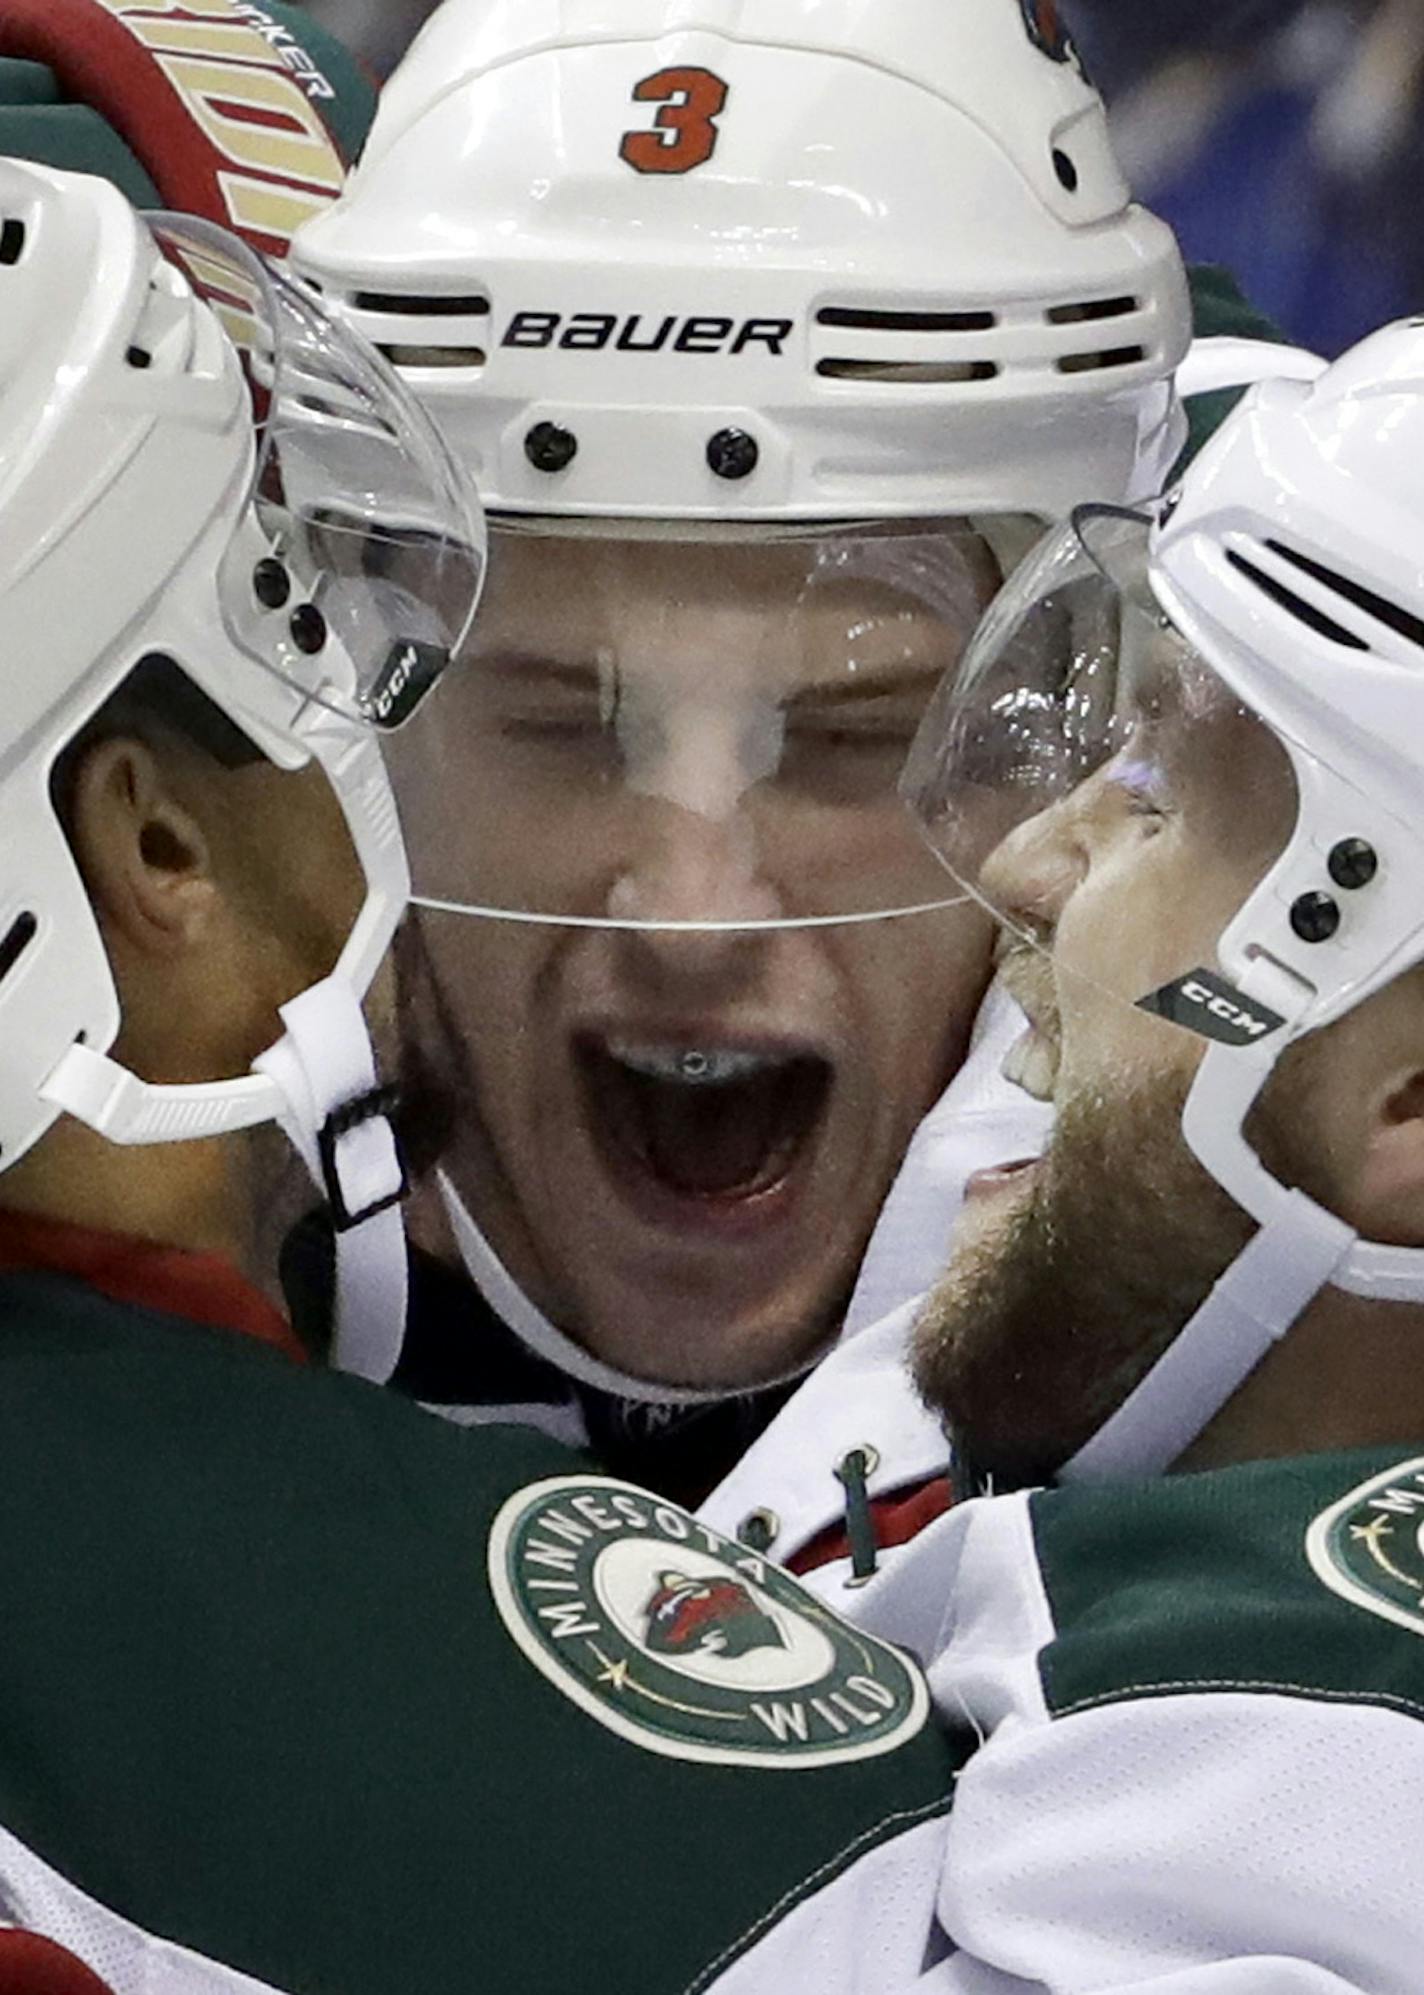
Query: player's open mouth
(715,1123)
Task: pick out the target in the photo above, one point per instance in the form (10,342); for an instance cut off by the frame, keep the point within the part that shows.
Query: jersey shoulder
(554,1721)
(1299,1577)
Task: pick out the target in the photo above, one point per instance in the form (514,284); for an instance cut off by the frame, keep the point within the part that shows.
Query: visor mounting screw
(733,454)
(1353,863)
(308,628)
(271,584)
(1315,917)
(550,448)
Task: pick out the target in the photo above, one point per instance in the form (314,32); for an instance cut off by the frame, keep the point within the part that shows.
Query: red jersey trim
(897,1519)
(30,1964)
(200,1287)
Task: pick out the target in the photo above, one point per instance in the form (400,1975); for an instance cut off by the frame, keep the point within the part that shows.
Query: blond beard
(1048,1317)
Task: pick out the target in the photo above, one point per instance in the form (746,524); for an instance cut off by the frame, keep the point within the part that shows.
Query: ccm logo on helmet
(594,332)
(1207,1005)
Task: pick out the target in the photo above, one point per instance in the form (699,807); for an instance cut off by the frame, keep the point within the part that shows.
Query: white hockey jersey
(1192,1720)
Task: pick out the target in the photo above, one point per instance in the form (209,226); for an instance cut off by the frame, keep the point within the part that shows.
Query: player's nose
(1033,871)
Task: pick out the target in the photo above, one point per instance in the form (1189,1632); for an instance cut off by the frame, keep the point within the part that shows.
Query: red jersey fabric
(201,1287)
(33,1965)
(897,1518)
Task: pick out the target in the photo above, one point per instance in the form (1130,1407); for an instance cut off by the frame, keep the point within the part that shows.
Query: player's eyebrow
(538,666)
(855,688)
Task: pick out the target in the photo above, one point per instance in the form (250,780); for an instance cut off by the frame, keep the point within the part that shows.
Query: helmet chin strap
(337,1119)
(1300,1249)
(319,1084)
(537,1333)
(1254,1304)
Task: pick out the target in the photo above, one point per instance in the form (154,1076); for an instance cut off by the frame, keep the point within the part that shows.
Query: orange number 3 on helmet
(684,133)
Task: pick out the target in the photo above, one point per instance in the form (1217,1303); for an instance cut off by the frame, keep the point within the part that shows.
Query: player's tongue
(707,1124)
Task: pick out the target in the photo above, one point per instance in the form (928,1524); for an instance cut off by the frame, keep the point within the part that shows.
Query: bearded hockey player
(1191,1677)
(771,357)
(301,1689)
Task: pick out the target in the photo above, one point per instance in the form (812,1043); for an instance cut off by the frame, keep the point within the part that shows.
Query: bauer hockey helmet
(652,260)
(772,345)
(872,293)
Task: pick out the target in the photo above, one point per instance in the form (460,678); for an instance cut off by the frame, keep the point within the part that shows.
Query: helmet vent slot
(21,933)
(1389,614)
(1089,309)
(908,372)
(1102,361)
(433,356)
(12,240)
(856,319)
(1295,605)
(410,306)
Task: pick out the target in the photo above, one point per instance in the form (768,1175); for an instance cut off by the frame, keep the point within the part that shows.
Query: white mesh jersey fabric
(129,1960)
(868,1932)
(1183,1842)
(1220,1838)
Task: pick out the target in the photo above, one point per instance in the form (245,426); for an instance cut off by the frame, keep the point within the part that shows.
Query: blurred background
(1283,138)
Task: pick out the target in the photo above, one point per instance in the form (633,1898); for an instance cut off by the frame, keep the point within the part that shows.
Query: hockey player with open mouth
(771,359)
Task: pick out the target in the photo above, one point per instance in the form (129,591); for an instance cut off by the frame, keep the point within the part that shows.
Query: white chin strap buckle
(362,1169)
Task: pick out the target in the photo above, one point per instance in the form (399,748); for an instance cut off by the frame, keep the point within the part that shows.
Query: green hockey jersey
(304,1689)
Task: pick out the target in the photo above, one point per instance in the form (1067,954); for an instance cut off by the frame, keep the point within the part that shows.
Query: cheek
(486,975)
(916,986)
(1145,913)
(1103,964)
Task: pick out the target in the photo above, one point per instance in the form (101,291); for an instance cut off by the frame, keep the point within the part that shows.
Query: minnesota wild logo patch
(1369,1547)
(685,1642)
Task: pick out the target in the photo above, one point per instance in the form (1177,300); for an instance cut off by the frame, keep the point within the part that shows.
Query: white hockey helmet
(859,303)
(199,466)
(1260,638)
(674,259)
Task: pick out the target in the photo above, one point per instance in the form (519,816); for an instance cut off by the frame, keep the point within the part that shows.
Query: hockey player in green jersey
(300,1688)
(1182,764)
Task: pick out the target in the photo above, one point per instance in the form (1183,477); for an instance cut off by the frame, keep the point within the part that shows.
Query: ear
(1390,1196)
(142,853)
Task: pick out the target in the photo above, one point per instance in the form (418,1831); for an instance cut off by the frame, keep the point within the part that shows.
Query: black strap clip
(377,1104)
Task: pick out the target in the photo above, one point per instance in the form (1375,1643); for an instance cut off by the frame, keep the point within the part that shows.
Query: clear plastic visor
(700,727)
(1088,777)
(358,562)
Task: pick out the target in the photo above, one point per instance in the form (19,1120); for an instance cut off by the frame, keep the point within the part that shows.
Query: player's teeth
(1031,1063)
(695,1066)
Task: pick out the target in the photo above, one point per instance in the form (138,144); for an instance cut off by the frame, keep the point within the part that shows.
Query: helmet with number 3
(880,262)
(770,336)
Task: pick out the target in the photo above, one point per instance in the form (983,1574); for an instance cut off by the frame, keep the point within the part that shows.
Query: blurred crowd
(1282,138)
